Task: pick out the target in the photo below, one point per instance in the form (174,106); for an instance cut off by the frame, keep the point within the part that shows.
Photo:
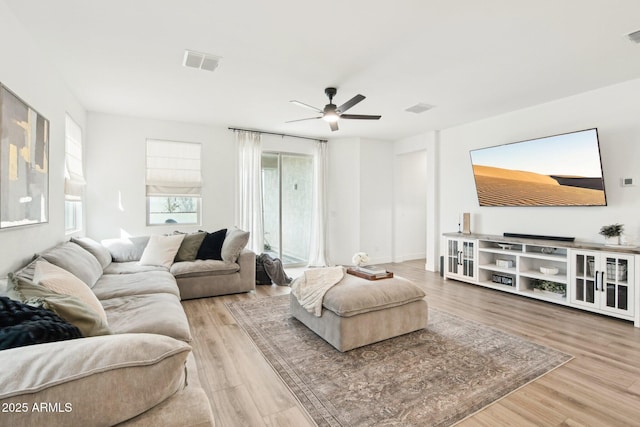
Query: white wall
(376,199)
(115,157)
(613,110)
(343,223)
(25,71)
(360,199)
(410,206)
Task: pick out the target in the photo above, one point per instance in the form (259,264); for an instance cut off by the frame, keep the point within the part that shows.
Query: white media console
(587,276)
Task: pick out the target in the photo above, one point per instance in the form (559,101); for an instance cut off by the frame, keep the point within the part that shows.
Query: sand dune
(502,187)
(493,172)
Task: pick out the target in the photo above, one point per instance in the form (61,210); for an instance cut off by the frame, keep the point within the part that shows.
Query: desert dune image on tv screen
(562,170)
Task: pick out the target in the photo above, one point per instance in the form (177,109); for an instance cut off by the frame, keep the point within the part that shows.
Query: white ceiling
(471,59)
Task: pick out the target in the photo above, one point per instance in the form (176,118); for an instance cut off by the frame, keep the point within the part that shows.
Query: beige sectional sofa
(136,369)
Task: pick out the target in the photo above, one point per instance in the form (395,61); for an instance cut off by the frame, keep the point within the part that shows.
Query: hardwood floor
(599,387)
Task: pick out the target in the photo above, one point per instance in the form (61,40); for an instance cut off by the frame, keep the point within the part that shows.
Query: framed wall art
(24,163)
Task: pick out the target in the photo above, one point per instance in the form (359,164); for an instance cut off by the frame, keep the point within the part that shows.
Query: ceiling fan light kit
(331,113)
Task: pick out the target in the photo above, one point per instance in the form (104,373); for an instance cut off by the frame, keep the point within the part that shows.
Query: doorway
(287,203)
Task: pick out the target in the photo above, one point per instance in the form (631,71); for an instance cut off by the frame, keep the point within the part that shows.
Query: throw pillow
(126,249)
(22,324)
(75,260)
(233,244)
(161,250)
(101,253)
(211,247)
(61,281)
(189,247)
(70,308)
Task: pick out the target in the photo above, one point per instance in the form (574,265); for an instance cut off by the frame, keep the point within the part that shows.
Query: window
(173,182)
(73,176)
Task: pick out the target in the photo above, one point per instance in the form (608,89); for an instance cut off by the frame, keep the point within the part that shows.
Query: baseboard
(409,257)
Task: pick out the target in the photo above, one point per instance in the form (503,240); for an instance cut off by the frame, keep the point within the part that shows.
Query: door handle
(602,287)
(595,278)
(459,257)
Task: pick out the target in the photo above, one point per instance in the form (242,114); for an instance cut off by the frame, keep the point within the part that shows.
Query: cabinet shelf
(493,267)
(559,278)
(492,285)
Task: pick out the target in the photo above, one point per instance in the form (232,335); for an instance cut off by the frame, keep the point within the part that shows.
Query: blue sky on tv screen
(574,154)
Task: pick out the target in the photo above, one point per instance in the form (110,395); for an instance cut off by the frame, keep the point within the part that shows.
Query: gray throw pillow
(127,248)
(77,261)
(234,242)
(101,253)
(189,246)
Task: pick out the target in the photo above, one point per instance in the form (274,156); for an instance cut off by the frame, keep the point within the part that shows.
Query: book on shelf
(372,270)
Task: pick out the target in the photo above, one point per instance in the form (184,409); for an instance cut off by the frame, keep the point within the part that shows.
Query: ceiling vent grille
(635,36)
(419,108)
(203,61)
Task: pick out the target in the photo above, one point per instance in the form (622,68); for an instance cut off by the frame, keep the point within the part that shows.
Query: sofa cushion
(92,381)
(131,267)
(77,261)
(120,285)
(211,247)
(190,245)
(161,250)
(126,248)
(101,253)
(234,242)
(61,281)
(24,325)
(201,267)
(153,313)
(70,308)
(354,295)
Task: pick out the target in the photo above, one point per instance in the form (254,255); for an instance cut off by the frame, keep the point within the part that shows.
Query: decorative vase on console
(612,234)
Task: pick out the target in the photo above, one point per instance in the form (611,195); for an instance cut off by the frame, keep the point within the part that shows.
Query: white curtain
(318,250)
(249,194)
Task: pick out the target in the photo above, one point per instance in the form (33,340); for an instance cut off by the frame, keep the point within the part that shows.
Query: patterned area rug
(434,377)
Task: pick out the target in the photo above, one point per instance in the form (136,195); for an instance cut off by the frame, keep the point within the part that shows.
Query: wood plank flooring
(599,387)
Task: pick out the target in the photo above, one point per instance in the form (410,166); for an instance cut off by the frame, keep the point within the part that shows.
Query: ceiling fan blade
(303,105)
(350,103)
(299,120)
(359,116)
(334,126)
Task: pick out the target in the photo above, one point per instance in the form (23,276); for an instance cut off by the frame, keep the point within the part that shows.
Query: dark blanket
(274,269)
(22,324)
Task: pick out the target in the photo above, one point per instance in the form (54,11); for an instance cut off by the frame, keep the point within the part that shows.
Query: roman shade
(73,175)
(173,168)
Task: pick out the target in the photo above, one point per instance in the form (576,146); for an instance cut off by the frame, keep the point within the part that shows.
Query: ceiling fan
(331,113)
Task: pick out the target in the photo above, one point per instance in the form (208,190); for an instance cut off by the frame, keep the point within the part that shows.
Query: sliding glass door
(287,200)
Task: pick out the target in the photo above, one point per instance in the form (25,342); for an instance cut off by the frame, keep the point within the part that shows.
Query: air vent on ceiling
(635,36)
(419,108)
(203,61)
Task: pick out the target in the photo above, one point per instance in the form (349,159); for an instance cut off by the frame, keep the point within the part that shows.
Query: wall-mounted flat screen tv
(559,170)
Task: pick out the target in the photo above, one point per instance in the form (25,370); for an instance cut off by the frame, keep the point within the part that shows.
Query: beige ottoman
(357,312)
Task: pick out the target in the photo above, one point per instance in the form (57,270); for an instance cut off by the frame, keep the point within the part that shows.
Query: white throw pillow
(161,250)
(61,281)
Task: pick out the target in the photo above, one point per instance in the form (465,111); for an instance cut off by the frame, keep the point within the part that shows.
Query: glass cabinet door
(585,280)
(616,291)
(453,256)
(468,249)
